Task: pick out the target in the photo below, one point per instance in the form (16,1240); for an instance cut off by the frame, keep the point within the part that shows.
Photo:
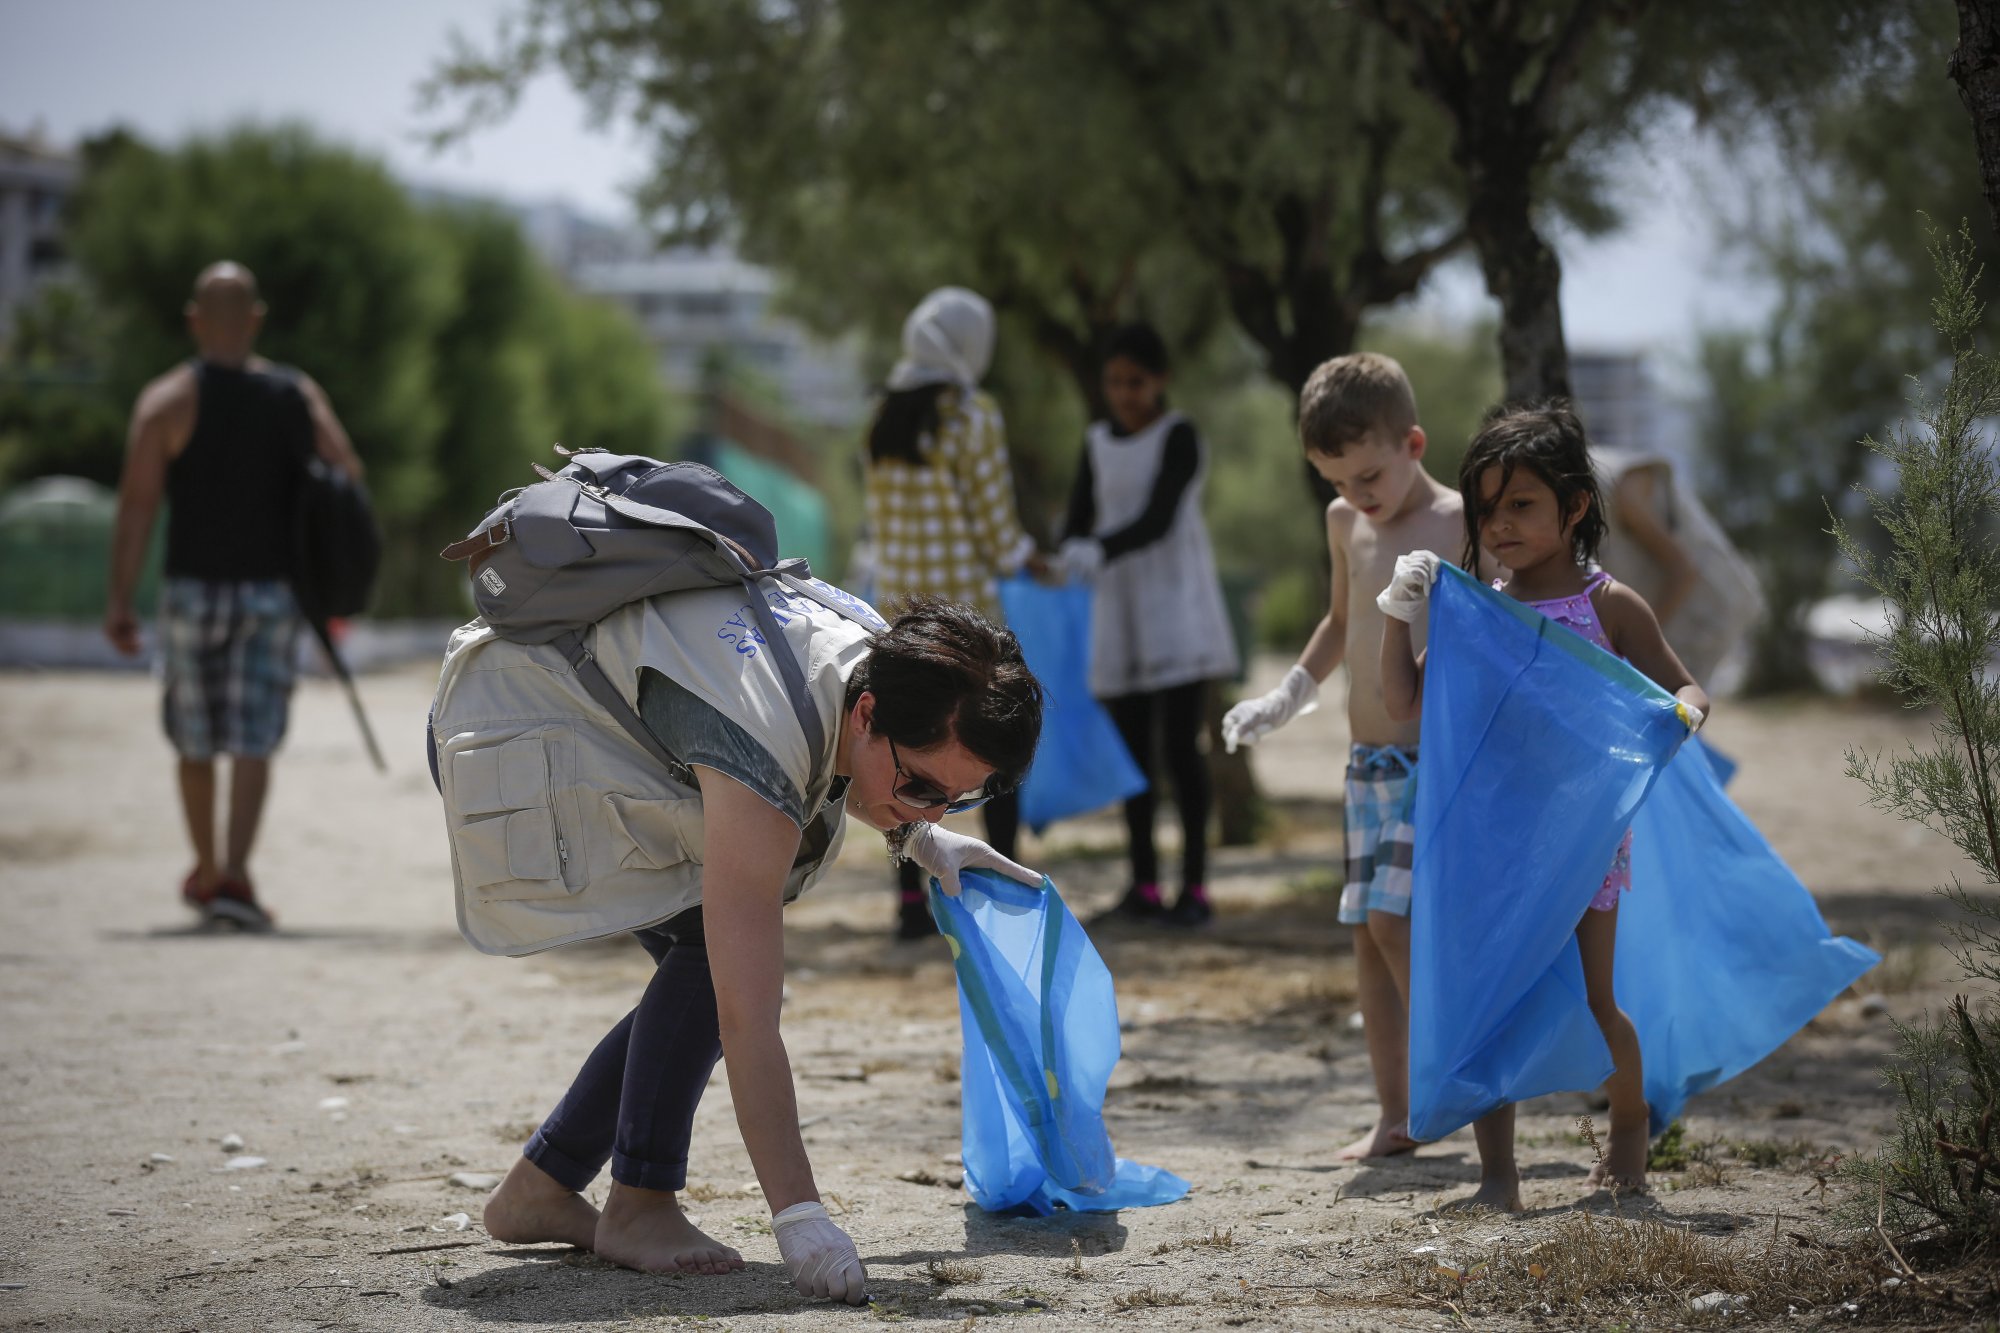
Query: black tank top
(232,494)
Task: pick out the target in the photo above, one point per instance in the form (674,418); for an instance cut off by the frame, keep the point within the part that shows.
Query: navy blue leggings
(633,1102)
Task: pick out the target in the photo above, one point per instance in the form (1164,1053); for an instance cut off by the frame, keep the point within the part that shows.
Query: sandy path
(128,1034)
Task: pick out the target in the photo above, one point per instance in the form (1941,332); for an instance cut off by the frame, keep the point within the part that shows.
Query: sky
(351,69)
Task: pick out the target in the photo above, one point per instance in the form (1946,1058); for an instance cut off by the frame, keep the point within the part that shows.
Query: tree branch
(1560,66)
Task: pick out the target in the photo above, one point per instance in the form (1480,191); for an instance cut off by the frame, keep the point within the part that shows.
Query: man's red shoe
(196,896)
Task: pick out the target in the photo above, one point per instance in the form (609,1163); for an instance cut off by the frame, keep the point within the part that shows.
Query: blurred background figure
(1160,631)
(224,439)
(941,504)
(1664,543)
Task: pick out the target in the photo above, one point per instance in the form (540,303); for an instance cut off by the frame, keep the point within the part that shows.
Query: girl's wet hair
(1547,439)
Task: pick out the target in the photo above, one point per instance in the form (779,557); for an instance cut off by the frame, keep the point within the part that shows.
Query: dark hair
(941,670)
(1350,396)
(1547,439)
(902,421)
(1141,343)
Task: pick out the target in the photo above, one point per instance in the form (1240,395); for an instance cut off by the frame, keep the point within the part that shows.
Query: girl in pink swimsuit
(1532,505)
(1578,612)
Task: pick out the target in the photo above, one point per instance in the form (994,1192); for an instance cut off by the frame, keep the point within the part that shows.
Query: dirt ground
(365,1054)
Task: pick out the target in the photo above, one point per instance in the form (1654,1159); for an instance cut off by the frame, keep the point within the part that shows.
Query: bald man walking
(224,438)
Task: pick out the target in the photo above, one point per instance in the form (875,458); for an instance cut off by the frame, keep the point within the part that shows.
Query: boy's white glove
(1410,588)
(1254,719)
(819,1255)
(1080,559)
(944,853)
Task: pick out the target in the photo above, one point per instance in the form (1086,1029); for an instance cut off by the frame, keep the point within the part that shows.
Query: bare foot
(531,1206)
(646,1230)
(1499,1194)
(1387,1139)
(1623,1165)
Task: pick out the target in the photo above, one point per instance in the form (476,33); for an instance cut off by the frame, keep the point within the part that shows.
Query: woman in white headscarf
(941,510)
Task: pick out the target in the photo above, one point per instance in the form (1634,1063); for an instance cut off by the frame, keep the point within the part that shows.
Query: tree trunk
(1975,68)
(1522,273)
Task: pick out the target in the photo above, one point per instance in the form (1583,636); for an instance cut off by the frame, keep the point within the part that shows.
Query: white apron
(1157,618)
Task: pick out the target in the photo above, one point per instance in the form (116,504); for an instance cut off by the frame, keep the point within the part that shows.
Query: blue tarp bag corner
(1722,953)
(1082,763)
(1040,1024)
(1539,749)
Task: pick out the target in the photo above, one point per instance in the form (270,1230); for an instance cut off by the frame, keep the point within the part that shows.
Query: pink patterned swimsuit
(1578,613)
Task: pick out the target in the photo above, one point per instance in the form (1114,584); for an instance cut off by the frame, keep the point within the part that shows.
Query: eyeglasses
(920,794)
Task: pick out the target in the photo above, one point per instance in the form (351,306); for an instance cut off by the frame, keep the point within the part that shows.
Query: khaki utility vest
(563,828)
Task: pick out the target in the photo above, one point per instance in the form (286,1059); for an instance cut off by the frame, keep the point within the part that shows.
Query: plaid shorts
(228,653)
(1381,794)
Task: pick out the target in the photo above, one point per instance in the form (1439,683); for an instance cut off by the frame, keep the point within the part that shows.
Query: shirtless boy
(1358,423)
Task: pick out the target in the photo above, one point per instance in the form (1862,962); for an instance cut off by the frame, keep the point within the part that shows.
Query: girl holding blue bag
(1532,504)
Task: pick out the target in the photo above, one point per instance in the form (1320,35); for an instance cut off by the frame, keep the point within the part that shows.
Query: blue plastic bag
(1040,1022)
(1082,763)
(1722,953)
(1539,750)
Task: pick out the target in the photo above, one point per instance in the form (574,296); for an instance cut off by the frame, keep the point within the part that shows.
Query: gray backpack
(556,557)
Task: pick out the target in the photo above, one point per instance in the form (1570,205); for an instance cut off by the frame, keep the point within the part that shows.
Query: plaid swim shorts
(228,653)
(1381,794)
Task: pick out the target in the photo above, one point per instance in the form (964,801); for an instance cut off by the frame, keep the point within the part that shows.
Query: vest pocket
(513,847)
(653,835)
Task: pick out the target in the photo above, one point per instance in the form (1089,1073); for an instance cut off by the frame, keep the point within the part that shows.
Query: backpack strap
(595,683)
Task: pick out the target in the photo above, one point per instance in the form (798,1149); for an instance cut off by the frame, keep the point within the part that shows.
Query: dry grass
(1708,1174)
(1905,966)
(1149,1298)
(1216,1239)
(1606,1270)
(1789,1154)
(707,1193)
(953,1272)
(1074,1269)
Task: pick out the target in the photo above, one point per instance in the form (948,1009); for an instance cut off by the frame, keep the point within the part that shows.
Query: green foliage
(1669,1152)
(56,413)
(1079,164)
(1785,407)
(452,355)
(1940,581)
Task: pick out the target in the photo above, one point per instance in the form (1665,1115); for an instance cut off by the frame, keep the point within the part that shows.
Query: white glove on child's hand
(1254,719)
(944,853)
(819,1255)
(1080,559)
(1410,588)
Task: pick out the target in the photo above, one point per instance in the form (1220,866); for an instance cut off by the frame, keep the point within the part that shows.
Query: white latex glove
(1693,716)
(819,1255)
(1080,559)
(944,853)
(1254,719)
(1410,588)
